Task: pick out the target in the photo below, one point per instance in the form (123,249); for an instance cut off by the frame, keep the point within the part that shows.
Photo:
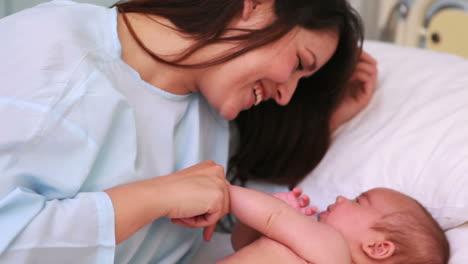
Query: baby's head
(385,226)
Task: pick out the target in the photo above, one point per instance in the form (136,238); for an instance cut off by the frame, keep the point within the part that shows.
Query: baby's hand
(296,200)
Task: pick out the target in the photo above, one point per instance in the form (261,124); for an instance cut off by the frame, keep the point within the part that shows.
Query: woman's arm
(193,197)
(310,240)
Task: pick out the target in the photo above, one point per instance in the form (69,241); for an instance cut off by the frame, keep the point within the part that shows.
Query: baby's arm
(243,235)
(263,251)
(312,241)
(295,199)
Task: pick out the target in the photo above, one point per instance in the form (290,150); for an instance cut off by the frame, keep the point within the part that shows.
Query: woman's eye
(299,67)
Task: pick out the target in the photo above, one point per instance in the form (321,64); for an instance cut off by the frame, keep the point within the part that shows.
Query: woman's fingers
(208,232)
(366,57)
(367,68)
(210,190)
(360,87)
(197,196)
(204,220)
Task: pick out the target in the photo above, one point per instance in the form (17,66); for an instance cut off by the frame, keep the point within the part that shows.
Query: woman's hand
(199,196)
(361,87)
(194,197)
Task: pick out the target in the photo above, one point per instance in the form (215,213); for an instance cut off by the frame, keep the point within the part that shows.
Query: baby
(379,226)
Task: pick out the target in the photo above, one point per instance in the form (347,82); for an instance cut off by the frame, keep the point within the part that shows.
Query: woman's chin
(229,114)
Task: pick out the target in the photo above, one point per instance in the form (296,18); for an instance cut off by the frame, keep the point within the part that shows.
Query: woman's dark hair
(279,144)
(206,22)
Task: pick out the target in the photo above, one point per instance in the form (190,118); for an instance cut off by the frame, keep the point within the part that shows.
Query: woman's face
(269,72)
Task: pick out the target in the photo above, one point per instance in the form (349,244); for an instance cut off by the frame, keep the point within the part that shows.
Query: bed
(413,137)
(432,24)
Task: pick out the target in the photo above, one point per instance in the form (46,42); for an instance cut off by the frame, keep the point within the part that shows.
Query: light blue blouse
(77,120)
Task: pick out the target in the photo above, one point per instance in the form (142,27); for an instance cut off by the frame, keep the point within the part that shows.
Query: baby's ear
(378,250)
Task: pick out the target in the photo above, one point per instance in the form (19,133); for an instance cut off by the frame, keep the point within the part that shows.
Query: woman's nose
(284,92)
(285,78)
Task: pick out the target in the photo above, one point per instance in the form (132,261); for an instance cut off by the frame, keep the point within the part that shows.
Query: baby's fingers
(304,201)
(309,211)
(297,191)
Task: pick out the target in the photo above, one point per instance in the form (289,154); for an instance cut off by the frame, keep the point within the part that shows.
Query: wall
(369,11)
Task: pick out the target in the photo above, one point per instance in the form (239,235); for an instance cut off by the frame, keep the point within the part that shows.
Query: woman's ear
(256,14)
(379,249)
(249,7)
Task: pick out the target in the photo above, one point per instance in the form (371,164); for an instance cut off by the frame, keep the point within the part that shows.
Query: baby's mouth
(322,215)
(258,92)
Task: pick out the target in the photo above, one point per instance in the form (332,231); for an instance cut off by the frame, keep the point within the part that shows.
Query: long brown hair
(277,144)
(205,22)
(282,144)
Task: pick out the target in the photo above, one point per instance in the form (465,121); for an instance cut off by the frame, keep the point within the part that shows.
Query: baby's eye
(357,200)
(299,67)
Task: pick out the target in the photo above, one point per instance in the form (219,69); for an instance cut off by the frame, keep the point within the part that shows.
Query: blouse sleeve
(45,217)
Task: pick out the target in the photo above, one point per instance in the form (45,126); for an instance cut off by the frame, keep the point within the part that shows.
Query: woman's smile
(259,93)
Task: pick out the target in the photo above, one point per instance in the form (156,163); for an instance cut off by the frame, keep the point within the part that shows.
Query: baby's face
(354,218)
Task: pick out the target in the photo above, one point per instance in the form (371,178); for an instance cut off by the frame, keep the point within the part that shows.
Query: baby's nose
(340,199)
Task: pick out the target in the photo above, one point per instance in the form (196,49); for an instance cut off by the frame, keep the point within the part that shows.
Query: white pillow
(413,136)
(458,238)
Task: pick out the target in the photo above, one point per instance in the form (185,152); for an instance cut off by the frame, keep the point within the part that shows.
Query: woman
(113,113)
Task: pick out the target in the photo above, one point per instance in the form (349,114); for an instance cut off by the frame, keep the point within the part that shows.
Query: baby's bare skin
(296,200)
(277,228)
